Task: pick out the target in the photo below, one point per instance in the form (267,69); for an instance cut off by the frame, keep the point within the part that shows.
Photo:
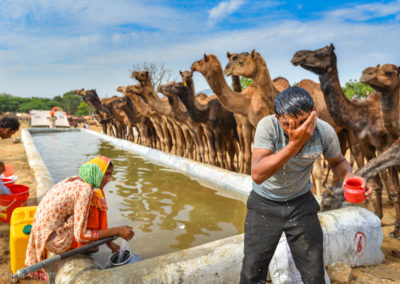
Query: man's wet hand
(299,136)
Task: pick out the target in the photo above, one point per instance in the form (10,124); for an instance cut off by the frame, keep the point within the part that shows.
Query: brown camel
(218,123)
(386,80)
(364,117)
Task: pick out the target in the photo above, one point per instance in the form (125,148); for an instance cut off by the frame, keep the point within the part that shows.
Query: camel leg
(220,148)
(239,127)
(181,149)
(196,141)
(248,138)
(211,146)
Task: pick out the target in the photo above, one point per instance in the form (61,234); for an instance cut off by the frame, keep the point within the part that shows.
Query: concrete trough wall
(352,235)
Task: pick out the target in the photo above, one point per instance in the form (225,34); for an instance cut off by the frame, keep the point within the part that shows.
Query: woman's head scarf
(92,172)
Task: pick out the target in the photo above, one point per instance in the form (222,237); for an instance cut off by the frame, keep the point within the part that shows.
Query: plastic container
(20,228)
(9,179)
(8,202)
(128,257)
(353,192)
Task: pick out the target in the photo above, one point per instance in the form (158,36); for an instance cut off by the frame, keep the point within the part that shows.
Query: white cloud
(223,9)
(366,11)
(42,64)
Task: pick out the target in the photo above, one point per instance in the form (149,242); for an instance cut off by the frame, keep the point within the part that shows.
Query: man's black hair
(9,122)
(293,101)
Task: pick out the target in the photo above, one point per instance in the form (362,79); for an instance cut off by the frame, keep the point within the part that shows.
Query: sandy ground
(14,153)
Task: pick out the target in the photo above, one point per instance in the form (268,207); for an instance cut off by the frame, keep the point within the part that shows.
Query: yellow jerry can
(20,229)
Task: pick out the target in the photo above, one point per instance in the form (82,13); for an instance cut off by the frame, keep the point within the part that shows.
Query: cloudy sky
(50,47)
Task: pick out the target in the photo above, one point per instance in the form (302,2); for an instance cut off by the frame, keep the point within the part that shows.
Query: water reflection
(168,210)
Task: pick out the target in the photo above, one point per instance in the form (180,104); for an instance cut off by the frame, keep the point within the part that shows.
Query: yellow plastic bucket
(20,224)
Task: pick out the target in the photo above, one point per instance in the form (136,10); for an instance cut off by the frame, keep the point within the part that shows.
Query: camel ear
(180,72)
(377,66)
(205,57)
(228,54)
(332,47)
(146,72)
(253,53)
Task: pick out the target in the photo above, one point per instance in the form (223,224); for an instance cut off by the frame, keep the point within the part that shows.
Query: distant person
(3,189)
(73,213)
(8,126)
(52,120)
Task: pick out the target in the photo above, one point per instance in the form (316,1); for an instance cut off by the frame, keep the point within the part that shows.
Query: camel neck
(154,102)
(188,99)
(139,104)
(177,112)
(232,101)
(237,87)
(391,110)
(342,110)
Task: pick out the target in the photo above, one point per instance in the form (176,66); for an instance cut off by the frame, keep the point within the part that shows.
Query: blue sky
(50,47)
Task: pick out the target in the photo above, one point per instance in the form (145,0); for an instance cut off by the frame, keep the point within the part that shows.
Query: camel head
(141,76)
(281,83)
(242,64)
(317,61)
(80,92)
(187,76)
(167,88)
(206,64)
(381,78)
(91,98)
(121,89)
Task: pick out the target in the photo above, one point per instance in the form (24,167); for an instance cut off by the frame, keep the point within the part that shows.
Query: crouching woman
(63,215)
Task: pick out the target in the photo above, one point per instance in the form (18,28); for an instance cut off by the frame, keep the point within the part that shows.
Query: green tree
(355,89)
(83,109)
(245,82)
(70,102)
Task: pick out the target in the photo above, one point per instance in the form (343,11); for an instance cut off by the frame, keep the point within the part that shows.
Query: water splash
(121,250)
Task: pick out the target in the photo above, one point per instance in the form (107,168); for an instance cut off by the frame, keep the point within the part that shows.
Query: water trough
(355,243)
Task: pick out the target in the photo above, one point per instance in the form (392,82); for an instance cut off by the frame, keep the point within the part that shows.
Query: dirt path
(14,153)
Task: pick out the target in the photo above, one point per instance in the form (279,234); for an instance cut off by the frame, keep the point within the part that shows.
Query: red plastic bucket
(353,192)
(8,202)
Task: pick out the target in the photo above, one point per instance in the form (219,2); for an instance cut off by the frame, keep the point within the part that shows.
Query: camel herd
(219,129)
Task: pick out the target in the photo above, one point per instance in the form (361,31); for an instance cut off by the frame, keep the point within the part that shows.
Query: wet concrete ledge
(220,261)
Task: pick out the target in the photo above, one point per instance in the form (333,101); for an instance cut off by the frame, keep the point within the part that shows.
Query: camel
(218,123)
(386,80)
(364,117)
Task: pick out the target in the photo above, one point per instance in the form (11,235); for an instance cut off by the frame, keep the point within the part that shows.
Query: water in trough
(168,211)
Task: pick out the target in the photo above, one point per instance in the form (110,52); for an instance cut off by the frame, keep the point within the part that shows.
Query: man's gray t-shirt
(293,179)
